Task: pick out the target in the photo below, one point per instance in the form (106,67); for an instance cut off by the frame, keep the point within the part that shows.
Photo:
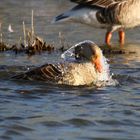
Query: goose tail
(61,18)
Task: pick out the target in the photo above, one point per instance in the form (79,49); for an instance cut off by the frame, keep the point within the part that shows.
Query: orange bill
(98,65)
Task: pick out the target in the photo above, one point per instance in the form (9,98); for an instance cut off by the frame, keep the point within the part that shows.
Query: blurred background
(14,12)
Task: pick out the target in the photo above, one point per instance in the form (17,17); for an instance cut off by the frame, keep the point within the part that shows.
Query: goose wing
(101,3)
(47,72)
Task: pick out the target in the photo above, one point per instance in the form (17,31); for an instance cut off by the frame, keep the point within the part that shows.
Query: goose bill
(98,64)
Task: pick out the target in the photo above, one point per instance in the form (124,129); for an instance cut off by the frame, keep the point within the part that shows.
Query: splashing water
(105,78)
(69,55)
(102,79)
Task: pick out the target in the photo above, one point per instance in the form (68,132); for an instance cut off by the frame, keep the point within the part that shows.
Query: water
(37,111)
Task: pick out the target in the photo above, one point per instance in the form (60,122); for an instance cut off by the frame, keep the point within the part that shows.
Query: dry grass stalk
(32,26)
(24,34)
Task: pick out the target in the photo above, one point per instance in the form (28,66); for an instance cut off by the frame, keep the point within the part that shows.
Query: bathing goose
(89,67)
(110,14)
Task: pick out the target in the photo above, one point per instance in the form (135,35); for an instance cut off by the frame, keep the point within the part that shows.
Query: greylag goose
(89,67)
(110,14)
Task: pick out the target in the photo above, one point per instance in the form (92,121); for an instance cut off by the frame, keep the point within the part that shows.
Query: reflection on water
(38,111)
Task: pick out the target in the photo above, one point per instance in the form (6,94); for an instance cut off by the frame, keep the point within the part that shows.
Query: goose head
(89,51)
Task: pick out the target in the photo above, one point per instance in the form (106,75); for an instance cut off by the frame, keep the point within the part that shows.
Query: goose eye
(79,52)
(77,56)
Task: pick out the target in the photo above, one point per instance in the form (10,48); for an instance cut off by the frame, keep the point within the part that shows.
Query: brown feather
(47,72)
(102,3)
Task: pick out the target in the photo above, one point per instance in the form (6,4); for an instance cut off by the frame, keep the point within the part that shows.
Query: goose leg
(108,38)
(121,37)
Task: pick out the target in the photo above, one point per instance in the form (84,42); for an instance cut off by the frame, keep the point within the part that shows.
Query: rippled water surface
(38,111)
